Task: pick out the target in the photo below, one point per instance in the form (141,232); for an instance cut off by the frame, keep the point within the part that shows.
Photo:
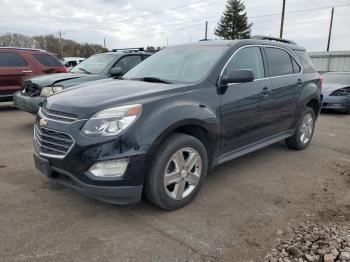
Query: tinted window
(70,64)
(12,60)
(308,66)
(47,60)
(128,62)
(247,58)
(280,62)
(296,66)
(180,64)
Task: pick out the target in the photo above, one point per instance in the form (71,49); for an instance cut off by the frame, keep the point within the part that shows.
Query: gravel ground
(313,243)
(235,217)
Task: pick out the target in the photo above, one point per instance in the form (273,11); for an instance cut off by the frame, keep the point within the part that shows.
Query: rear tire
(304,130)
(177,171)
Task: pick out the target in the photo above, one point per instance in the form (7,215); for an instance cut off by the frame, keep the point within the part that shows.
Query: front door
(241,114)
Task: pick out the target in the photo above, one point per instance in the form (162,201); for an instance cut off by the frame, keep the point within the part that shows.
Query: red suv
(16,64)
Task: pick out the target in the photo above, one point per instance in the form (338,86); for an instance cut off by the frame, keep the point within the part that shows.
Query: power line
(163,11)
(192,24)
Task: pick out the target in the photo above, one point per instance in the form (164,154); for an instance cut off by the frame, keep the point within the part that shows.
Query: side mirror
(238,76)
(116,71)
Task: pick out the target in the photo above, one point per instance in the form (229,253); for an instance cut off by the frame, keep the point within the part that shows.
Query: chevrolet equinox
(160,128)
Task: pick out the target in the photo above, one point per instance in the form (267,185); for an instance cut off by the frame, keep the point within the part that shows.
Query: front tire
(177,171)
(304,130)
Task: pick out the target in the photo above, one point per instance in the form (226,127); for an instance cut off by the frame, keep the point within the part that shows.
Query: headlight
(112,121)
(50,90)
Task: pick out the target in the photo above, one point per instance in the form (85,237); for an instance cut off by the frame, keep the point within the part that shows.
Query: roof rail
(270,38)
(22,48)
(128,49)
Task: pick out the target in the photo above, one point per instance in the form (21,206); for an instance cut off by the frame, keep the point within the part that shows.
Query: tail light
(60,70)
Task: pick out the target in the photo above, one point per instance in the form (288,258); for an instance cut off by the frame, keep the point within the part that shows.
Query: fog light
(111,168)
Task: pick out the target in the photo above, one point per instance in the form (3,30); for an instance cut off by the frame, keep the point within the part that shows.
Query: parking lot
(234,218)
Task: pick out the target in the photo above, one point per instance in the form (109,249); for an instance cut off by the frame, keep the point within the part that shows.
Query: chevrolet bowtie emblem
(42,122)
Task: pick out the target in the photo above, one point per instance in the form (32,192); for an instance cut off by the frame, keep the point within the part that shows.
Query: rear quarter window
(308,66)
(12,60)
(47,60)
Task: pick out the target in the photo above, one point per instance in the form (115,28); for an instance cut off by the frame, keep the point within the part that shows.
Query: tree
(234,22)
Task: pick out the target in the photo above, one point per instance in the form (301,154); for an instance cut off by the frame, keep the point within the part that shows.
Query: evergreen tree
(234,22)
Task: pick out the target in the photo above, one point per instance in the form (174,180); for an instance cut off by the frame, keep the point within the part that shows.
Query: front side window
(12,60)
(181,64)
(128,62)
(247,58)
(95,64)
(279,61)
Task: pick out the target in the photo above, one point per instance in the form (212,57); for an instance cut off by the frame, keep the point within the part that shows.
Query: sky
(126,23)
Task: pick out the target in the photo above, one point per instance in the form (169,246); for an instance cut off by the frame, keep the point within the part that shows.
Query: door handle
(27,71)
(265,91)
(299,83)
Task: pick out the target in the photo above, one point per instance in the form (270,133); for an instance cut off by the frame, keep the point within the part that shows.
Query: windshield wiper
(152,79)
(84,70)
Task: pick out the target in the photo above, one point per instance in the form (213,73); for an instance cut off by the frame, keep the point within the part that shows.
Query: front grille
(58,116)
(51,142)
(31,89)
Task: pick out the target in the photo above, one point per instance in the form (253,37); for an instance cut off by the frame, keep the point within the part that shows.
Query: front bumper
(72,169)
(339,103)
(27,103)
(110,194)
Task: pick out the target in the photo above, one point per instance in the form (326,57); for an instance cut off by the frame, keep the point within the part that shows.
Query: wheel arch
(192,127)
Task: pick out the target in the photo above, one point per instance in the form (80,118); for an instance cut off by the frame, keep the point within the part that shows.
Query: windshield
(336,78)
(182,64)
(95,64)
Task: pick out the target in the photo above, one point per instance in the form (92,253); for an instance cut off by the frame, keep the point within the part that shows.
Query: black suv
(158,130)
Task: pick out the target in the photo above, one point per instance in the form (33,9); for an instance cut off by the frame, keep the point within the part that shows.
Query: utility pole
(206,31)
(167,41)
(104,43)
(330,30)
(282,18)
(60,33)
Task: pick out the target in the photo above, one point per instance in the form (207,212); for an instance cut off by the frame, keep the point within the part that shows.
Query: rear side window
(247,58)
(280,62)
(12,60)
(308,66)
(47,60)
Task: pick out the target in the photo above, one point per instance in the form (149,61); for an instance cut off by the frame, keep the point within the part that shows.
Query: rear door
(13,70)
(279,102)
(241,113)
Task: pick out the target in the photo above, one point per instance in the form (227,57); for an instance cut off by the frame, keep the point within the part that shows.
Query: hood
(329,87)
(87,99)
(62,78)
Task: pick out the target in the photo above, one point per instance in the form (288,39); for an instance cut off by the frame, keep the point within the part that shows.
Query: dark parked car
(336,91)
(96,67)
(174,117)
(16,64)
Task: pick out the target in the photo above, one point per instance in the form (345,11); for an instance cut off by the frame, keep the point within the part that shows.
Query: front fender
(160,118)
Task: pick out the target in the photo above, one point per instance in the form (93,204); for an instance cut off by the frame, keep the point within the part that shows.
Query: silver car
(336,91)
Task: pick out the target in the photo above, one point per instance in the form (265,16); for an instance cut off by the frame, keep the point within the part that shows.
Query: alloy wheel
(182,173)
